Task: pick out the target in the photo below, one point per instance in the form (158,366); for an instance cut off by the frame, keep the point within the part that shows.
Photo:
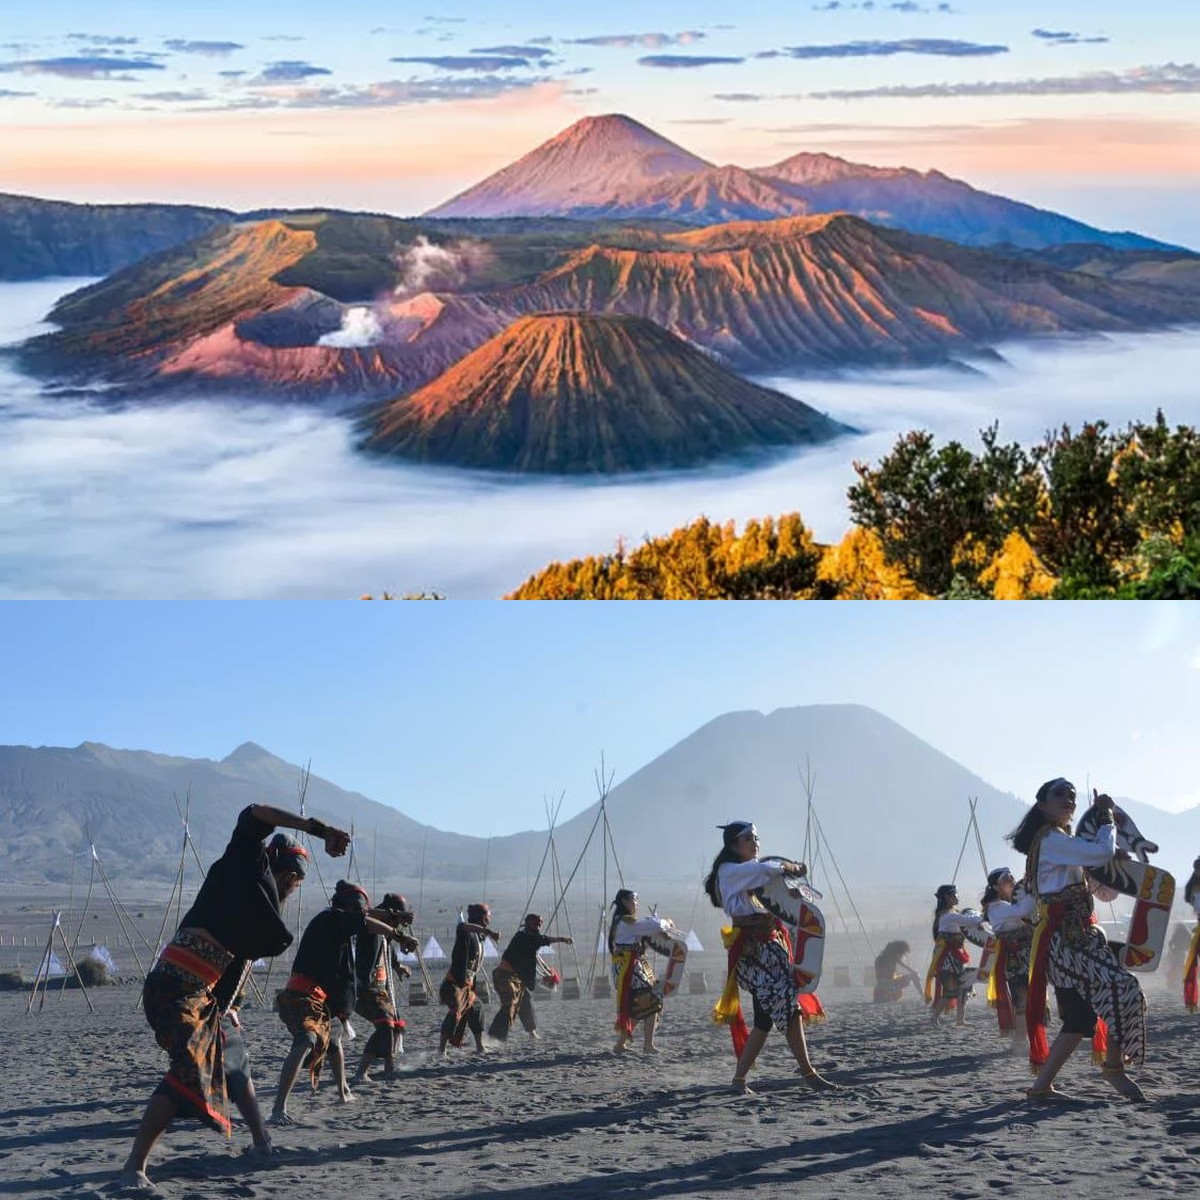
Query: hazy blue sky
(464,715)
(380,105)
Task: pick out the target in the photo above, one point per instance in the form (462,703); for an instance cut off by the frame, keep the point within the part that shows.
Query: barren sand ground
(920,1110)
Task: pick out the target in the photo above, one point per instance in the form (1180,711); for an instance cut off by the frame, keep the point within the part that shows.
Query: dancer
(633,977)
(1191,963)
(759,956)
(946,986)
(457,992)
(516,976)
(1097,997)
(321,987)
(234,919)
(1008,907)
(376,990)
(893,974)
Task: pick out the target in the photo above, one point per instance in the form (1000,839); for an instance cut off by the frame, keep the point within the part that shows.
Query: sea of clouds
(221,499)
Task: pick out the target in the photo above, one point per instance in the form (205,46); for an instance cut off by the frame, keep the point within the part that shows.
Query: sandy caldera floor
(922,1111)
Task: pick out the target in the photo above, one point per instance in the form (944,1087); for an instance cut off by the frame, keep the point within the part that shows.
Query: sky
(466,716)
(1092,108)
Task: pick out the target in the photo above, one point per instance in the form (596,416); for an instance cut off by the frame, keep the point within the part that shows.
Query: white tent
(103,956)
(693,942)
(489,949)
(407,956)
(545,951)
(602,944)
(54,968)
(433,951)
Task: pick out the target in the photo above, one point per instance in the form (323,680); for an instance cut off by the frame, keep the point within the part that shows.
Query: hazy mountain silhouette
(893,808)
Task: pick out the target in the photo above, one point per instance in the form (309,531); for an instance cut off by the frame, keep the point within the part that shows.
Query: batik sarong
(633,981)
(182,1010)
(304,1010)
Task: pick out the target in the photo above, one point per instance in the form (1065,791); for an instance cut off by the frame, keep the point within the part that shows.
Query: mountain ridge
(892,805)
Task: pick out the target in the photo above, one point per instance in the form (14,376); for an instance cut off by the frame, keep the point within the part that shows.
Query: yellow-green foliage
(1017,573)
(771,558)
(857,569)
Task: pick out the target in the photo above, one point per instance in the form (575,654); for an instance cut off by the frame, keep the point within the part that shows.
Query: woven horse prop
(984,937)
(790,900)
(672,945)
(1152,889)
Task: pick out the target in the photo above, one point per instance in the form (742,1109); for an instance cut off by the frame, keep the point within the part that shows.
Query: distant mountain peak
(590,164)
(248,752)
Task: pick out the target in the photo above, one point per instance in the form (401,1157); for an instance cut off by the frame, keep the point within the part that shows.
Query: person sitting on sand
(893,974)
(1008,908)
(1070,950)
(234,919)
(516,976)
(759,956)
(457,992)
(376,988)
(633,978)
(321,987)
(946,988)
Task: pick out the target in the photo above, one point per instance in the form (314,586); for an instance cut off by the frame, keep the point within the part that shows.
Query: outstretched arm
(337,841)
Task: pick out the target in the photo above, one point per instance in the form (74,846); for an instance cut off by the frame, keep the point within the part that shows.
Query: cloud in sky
(652,41)
(178,97)
(515,51)
(684,61)
(940,47)
(393,93)
(1066,38)
(291,71)
(81,67)
(9,94)
(211,49)
(98,39)
(1167,79)
(454,62)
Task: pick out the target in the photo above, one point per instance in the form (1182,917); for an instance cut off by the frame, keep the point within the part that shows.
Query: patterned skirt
(633,981)
(765,971)
(1080,959)
(376,1006)
(304,1012)
(182,1010)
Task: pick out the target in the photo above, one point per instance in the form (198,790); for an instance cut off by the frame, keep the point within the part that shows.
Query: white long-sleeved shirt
(1004,916)
(736,880)
(629,933)
(1196,902)
(1063,857)
(956,922)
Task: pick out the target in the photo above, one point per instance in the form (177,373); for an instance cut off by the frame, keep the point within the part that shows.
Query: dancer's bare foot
(345,1096)
(622,1045)
(815,1080)
(282,1117)
(136,1181)
(1116,1078)
(740,1087)
(1048,1095)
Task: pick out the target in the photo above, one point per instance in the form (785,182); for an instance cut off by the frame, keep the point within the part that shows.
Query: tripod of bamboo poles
(607,843)
(124,919)
(558,893)
(42,978)
(972,828)
(817,845)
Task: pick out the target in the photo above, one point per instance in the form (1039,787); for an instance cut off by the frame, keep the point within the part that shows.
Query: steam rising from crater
(425,267)
(360,327)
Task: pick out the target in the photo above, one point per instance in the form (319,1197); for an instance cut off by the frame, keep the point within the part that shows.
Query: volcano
(569,393)
(616,168)
(597,164)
